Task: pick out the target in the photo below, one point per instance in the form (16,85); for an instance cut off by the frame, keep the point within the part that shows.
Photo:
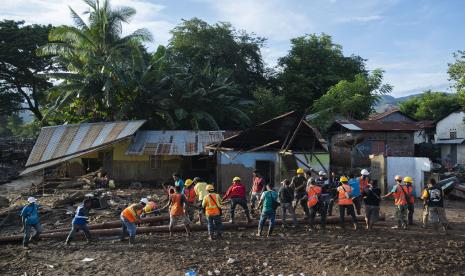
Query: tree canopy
(350,99)
(22,73)
(430,105)
(312,66)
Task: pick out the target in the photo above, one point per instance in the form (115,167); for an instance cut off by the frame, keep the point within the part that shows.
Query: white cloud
(272,19)
(362,19)
(57,13)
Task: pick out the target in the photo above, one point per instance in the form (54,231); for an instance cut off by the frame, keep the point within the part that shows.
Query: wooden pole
(165,229)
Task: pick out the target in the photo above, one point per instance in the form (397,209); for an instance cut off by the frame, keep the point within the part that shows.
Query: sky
(412,41)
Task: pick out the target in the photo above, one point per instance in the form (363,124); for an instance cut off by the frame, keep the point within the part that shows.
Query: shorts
(372,212)
(176,219)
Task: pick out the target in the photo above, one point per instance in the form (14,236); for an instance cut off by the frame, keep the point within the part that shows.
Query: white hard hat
(31,199)
(144,200)
(365,172)
(321,173)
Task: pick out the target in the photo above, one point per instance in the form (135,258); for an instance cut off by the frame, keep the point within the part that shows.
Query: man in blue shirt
(178,182)
(80,221)
(354,183)
(30,218)
(268,203)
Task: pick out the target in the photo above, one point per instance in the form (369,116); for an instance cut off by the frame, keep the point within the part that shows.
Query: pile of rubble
(14,152)
(59,197)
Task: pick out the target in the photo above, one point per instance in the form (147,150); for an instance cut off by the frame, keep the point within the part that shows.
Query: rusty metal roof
(58,142)
(174,142)
(373,125)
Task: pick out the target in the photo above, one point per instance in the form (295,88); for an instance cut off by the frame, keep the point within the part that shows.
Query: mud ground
(384,251)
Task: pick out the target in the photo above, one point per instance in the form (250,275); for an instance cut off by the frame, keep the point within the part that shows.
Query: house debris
(276,148)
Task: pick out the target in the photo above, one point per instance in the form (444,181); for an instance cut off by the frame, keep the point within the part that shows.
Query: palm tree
(96,56)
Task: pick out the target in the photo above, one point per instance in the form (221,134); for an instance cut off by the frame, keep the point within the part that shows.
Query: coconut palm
(96,56)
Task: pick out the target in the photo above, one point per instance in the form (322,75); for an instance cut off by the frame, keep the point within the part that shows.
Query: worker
(237,193)
(200,189)
(178,181)
(80,221)
(434,196)
(371,197)
(328,192)
(410,202)
(30,219)
(129,218)
(425,214)
(364,179)
(190,196)
(151,208)
(286,196)
(176,205)
(345,202)
(268,203)
(258,186)
(401,196)
(212,206)
(299,183)
(315,204)
(356,192)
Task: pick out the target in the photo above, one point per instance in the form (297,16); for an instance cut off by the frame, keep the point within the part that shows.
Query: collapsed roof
(57,144)
(373,125)
(173,142)
(286,132)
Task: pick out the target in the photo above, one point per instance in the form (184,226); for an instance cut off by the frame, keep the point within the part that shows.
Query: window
(155,161)
(453,135)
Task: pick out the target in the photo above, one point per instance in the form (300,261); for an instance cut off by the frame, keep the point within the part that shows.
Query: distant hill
(387,102)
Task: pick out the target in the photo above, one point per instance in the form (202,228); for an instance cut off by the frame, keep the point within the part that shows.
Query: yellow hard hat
(408,179)
(343,179)
(237,178)
(188,182)
(300,171)
(210,187)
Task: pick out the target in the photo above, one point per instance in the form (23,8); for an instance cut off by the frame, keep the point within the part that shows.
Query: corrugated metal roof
(373,125)
(175,142)
(450,142)
(57,142)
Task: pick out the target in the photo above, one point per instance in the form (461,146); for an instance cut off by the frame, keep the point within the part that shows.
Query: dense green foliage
(430,105)
(312,66)
(208,76)
(350,99)
(22,80)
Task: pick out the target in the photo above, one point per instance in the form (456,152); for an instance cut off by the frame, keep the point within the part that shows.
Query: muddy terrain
(288,251)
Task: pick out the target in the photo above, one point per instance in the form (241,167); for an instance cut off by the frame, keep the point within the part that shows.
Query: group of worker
(315,195)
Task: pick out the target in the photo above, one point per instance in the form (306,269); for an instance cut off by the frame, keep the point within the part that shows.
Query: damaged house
(352,142)
(276,148)
(124,151)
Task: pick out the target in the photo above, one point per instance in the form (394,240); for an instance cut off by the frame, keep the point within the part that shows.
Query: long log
(165,229)
(113,224)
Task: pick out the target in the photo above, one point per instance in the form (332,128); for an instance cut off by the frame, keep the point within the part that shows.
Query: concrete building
(450,135)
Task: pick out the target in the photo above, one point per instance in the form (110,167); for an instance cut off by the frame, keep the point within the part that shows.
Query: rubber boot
(132,240)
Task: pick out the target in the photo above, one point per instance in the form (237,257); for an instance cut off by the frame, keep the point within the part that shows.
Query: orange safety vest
(129,213)
(313,193)
(363,183)
(176,205)
(344,193)
(212,204)
(189,194)
(399,195)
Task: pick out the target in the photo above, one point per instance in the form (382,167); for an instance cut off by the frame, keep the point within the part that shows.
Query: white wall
(453,122)
(408,166)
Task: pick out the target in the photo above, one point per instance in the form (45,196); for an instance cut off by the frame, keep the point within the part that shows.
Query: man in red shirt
(258,185)
(237,194)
